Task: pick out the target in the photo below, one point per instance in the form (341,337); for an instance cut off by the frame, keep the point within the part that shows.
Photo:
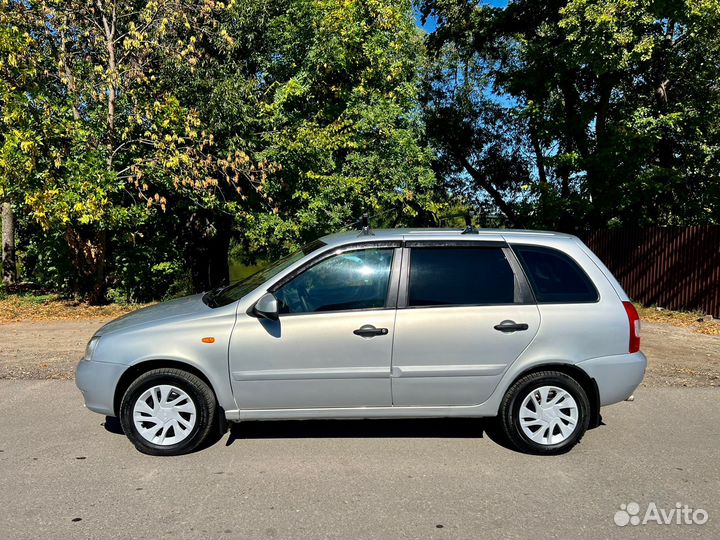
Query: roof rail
(365,222)
(469,227)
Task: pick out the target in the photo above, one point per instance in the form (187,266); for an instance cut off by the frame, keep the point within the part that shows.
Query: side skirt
(471,411)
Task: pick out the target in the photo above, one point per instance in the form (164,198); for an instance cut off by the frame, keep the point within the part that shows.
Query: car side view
(526,326)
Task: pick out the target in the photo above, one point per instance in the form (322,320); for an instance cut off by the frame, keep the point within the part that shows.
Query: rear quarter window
(554,277)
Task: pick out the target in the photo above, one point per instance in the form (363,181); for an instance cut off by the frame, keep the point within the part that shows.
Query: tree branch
(483,181)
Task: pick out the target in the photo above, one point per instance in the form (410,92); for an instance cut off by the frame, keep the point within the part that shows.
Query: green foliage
(143,141)
(610,107)
(46,258)
(335,112)
(146,135)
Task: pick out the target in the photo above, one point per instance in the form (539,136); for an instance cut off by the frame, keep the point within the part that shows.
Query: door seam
(392,343)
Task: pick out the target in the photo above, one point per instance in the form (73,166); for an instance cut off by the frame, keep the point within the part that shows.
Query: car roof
(439,234)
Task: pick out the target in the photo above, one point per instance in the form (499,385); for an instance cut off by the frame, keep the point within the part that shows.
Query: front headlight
(90,348)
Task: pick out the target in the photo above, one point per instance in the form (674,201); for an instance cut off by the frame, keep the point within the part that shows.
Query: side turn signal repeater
(208,340)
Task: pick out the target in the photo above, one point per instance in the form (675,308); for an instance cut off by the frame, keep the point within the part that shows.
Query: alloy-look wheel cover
(164,415)
(548,415)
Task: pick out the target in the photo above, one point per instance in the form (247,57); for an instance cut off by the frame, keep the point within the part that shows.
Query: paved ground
(51,349)
(64,475)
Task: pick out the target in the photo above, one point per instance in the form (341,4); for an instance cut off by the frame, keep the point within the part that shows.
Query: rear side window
(459,276)
(555,277)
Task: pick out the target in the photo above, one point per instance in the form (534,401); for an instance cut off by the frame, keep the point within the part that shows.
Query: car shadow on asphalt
(426,428)
(312,429)
(440,428)
(112,424)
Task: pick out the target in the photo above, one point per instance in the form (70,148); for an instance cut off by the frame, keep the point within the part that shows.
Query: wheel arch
(135,370)
(584,380)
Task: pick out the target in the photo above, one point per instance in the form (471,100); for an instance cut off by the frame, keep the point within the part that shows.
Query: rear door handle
(368,330)
(510,326)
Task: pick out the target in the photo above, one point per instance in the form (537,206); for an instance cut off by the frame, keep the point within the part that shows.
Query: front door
(465,314)
(332,344)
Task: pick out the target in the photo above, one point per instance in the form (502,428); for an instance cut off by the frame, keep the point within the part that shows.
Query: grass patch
(51,307)
(693,320)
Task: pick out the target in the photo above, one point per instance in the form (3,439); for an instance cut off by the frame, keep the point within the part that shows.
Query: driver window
(351,280)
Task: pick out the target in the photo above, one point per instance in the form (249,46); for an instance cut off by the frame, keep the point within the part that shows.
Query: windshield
(234,292)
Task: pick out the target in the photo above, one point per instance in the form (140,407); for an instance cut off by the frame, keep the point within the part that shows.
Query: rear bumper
(617,377)
(97,382)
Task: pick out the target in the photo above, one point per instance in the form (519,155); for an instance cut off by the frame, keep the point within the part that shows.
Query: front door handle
(510,326)
(368,330)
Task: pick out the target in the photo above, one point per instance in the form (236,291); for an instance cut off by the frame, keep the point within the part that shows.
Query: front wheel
(546,412)
(168,412)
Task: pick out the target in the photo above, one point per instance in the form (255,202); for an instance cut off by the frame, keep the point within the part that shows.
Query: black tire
(199,392)
(509,414)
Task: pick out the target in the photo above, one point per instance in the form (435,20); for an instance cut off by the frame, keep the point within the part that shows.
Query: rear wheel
(545,413)
(168,412)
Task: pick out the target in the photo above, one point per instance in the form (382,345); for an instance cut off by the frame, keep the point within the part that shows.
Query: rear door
(465,313)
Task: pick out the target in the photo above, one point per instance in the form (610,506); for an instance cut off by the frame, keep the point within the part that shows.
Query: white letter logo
(682,514)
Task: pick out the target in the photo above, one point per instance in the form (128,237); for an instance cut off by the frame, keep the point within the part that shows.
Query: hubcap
(548,415)
(164,415)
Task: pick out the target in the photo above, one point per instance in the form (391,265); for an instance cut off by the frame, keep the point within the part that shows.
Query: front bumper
(617,376)
(97,382)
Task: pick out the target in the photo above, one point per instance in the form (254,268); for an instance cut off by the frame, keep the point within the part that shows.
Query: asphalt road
(64,475)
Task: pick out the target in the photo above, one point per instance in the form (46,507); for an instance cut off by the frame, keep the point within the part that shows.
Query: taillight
(634,321)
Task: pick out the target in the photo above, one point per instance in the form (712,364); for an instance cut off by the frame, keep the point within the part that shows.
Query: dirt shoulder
(678,356)
(44,350)
(50,307)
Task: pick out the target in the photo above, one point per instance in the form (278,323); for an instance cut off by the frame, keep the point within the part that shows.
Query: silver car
(528,327)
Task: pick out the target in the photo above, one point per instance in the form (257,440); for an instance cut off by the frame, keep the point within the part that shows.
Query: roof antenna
(365,221)
(469,227)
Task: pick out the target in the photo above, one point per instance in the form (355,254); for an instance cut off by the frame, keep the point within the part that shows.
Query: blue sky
(429,26)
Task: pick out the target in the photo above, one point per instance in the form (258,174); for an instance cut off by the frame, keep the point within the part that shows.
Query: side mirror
(267,307)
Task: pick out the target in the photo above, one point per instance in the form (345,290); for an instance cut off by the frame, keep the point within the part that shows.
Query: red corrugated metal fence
(672,267)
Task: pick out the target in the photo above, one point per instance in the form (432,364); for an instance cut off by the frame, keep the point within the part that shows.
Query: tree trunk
(208,251)
(109,28)
(542,174)
(89,251)
(661,67)
(539,155)
(9,262)
(575,137)
(574,128)
(72,86)
(218,261)
(599,177)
